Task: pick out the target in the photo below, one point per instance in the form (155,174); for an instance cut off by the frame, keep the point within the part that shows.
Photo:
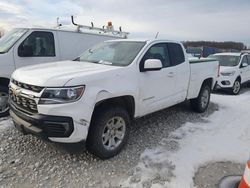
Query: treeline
(220,45)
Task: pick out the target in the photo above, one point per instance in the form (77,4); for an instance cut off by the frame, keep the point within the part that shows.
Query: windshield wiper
(105,62)
(77,59)
(95,61)
(85,60)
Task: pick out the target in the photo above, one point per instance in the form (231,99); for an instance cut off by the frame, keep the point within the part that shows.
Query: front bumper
(225,82)
(42,125)
(64,123)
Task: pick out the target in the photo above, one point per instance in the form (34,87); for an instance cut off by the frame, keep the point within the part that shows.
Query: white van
(30,46)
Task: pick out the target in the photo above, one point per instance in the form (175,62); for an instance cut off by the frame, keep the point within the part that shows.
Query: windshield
(226,60)
(117,53)
(9,39)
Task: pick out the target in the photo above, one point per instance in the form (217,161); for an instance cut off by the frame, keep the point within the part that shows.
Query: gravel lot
(209,175)
(27,161)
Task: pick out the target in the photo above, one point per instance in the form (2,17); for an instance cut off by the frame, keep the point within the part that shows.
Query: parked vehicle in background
(95,98)
(202,51)
(234,70)
(30,46)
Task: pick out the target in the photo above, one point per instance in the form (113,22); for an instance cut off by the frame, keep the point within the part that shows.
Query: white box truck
(29,46)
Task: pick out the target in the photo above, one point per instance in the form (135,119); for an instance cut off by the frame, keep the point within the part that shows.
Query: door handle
(170,74)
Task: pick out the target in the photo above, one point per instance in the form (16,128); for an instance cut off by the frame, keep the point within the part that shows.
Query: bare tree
(220,45)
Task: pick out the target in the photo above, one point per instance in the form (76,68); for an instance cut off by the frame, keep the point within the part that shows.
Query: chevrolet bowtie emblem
(17,91)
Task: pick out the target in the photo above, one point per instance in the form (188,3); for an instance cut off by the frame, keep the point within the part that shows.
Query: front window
(9,39)
(227,60)
(116,53)
(38,44)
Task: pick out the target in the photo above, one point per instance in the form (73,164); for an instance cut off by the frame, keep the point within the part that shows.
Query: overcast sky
(217,20)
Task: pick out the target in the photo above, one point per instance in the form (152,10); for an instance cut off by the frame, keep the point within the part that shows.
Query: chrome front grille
(22,102)
(36,89)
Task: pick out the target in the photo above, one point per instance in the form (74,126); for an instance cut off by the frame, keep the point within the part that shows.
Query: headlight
(61,95)
(227,73)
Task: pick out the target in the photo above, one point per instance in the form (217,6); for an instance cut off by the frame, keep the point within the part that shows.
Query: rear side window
(176,54)
(38,44)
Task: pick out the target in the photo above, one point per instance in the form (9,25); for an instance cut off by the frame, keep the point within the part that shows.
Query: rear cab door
(39,46)
(181,71)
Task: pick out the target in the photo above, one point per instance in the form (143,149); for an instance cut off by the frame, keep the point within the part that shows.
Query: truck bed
(200,69)
(201,60)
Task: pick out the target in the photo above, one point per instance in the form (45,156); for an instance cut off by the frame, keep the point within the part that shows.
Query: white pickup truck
(95,98)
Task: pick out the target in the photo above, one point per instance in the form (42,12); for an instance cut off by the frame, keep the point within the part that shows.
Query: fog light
(225,83)
(66,126)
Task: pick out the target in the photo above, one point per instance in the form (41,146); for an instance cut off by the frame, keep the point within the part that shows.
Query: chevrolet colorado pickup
(95,97)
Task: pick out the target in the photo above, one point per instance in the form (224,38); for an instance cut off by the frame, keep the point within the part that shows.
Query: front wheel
(236,87)
(4,106)
(108,132)
(200,104)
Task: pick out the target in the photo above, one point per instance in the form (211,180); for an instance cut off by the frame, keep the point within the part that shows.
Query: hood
(227,69)
(57,74)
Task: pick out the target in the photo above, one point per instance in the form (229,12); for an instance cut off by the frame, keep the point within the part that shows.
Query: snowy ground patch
(223,136)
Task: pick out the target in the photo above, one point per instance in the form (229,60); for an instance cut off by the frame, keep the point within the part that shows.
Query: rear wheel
(236,87)
(108,132)
(200,104)
(4,106)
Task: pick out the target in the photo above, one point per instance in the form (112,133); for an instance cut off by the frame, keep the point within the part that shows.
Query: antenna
(156,35)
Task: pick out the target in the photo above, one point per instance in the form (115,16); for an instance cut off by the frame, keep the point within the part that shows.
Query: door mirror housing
(244,65)
(152,65)
(25,51)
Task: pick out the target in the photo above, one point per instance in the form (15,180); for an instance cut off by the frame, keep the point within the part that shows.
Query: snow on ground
(5,123)
(222,136)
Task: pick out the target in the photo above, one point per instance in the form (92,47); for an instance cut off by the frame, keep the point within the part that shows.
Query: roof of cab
(143,40)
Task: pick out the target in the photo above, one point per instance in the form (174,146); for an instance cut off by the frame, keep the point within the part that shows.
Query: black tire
(100,119)
(236,87)
(3,113)
(198,104)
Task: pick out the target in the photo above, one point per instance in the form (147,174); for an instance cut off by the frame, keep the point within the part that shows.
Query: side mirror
(244,65)
(25,51)
(152,65)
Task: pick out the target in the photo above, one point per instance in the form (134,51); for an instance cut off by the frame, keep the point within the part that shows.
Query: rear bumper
(42,125)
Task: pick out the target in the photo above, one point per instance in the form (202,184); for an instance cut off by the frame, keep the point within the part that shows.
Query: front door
(38,47)
(157,88)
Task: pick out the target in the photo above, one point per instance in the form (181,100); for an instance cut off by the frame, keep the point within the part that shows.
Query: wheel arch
(238,77)
(209,82)
(126,101)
